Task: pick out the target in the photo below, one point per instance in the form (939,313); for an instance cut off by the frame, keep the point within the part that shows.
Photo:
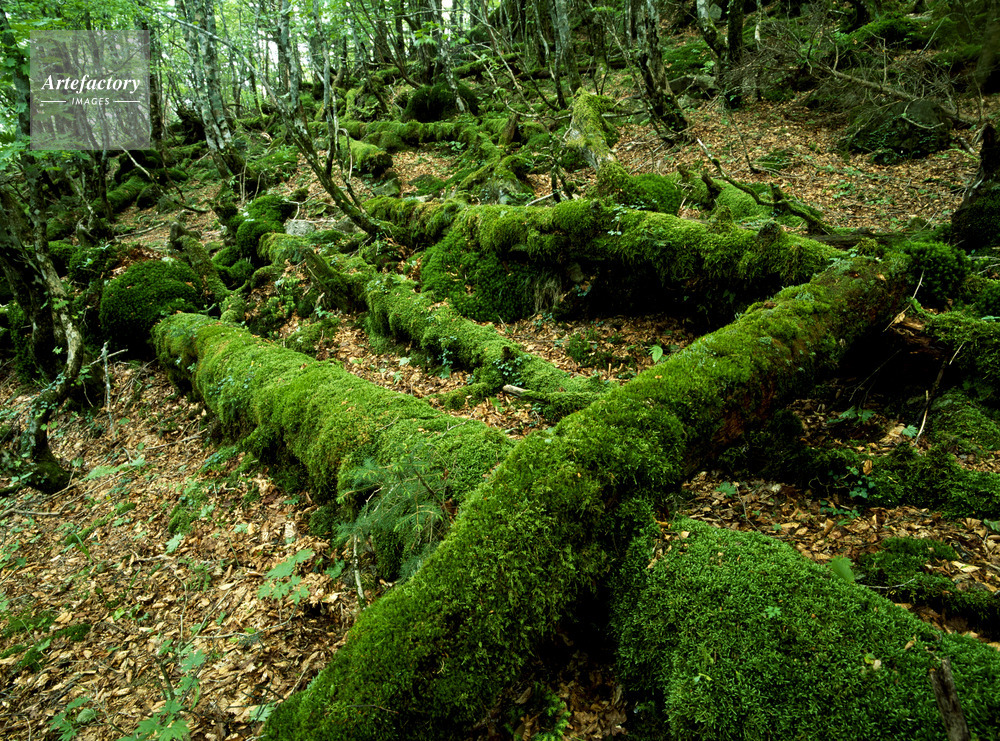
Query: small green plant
(405,511)
(282,581)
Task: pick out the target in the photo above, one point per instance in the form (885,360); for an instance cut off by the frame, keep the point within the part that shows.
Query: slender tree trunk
(663,104)
(565,51)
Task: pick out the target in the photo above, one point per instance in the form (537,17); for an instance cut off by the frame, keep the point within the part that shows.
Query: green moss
(979,359)
(903,568)
(435,102)
(589,133)
(736,635)
(366,158)
(248,238)
(647,192)
(125,194)
(270,208)
(889,32)
(940,268)
(61,253)
(935,480)
(145,293)
(313,416)
(962,426)
(505,263)
(977,227)
(421,224)
(544,530)
(61,225)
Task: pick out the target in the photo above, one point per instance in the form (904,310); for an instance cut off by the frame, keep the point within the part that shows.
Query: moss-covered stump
(733,635)
(429,659)
(138,298)
(505,263)
(364,157)
(589,134)
(314,416)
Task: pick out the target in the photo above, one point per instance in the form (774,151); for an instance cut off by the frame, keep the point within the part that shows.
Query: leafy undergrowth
(198,629)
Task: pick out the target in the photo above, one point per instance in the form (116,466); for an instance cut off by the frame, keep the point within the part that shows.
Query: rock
(299,228)
(905,130)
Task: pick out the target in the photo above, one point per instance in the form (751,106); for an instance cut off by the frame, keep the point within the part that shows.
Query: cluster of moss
(264,215)
(940,268)
(975,227)
(962,425)
(736,635)
(904,567)
(646,192)
(364,157)
(141,296)
(975,343)
(540,532)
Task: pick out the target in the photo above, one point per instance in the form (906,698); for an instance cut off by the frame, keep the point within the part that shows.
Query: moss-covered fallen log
(311,416)
(430,658)
(506,263)
(729,635)
(397,309)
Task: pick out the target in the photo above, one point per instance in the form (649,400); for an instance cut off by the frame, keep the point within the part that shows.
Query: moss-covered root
(735,635)
(314,416)
(364,157)
(430,658)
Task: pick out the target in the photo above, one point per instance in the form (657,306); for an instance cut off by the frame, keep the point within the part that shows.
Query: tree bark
(429,659)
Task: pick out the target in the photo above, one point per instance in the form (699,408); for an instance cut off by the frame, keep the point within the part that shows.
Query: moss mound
(435,102)
(735,635)
(145,293)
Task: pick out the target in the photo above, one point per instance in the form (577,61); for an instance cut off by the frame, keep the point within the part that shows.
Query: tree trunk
(663,106)
(429,659)
(565,51)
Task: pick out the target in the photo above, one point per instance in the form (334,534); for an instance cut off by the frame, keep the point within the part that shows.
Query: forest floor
(131,622)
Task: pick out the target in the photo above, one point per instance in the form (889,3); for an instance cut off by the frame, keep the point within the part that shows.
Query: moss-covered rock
(141,296)
(364,157)
(727,635)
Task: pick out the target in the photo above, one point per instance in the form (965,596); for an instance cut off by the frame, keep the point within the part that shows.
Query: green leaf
(841,566)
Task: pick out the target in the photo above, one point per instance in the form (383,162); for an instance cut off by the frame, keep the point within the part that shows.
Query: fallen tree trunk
(430,658)
(314,416)
(502,263)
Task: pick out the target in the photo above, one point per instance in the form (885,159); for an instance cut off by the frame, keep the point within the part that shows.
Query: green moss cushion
(145,293)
